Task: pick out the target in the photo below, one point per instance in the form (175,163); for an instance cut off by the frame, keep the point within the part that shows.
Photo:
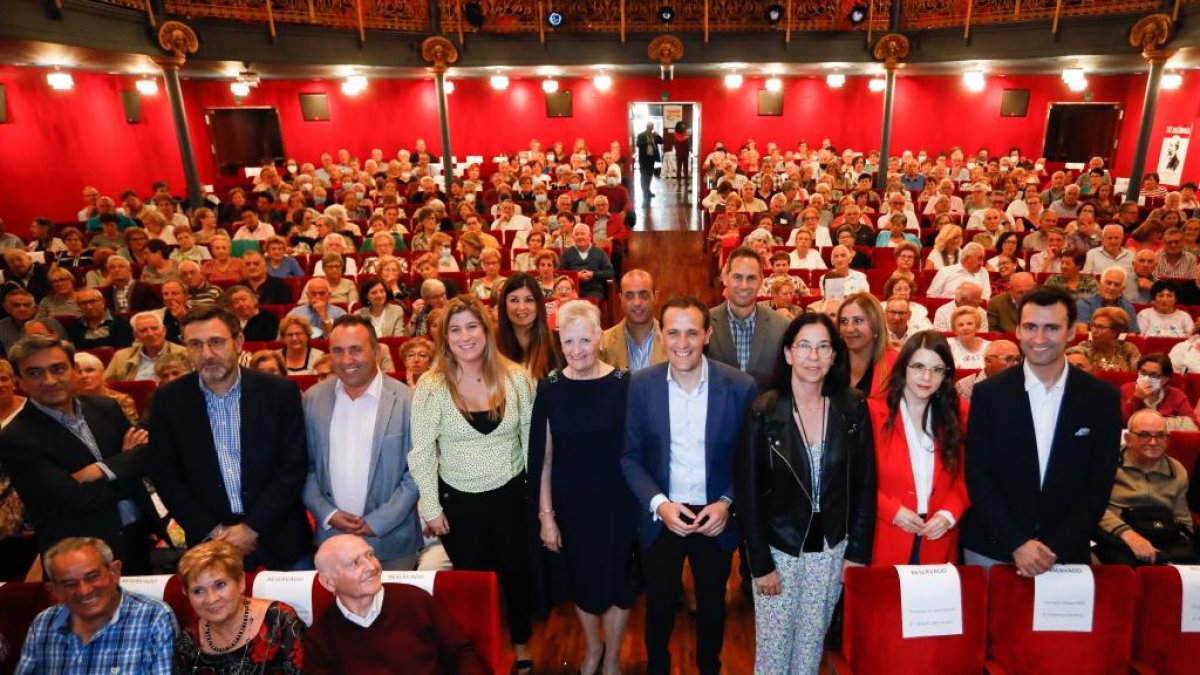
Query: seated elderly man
(1049,259)
(1109,294)
(433,297)
(1139,283)
(20,270)
(196,285)
(998,355)
(21,307)
(317,309)
(98,327)
(1068,206)
(1002,309)
(1112,252)
(968,294)
(138,361)
(594,267)
(267,289)
(96,625)
(1147,520)
(122,293)
(968,269)
(376,628)
(257,325)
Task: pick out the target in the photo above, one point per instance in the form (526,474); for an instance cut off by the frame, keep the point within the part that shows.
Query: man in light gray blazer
(357,425)
(741,321)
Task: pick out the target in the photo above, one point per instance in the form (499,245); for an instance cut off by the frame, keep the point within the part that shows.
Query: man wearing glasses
(1147,520)
(999,355)
(228,451)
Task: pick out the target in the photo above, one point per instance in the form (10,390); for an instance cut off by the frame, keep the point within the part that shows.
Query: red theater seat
(139,390)
(1159,646)
(1015,649)
(873,641)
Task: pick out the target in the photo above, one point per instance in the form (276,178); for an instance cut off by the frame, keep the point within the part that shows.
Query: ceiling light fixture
(1075,79)
(246,80)
(239,89)
(858,14)
(549,86)
(666,14)
(733,80)
(835,80)
(499,82)
(774,13)
(448,87)
(147,86)
(555,19)
(60,81)
(974,80)
(603,82)
(1172,80)
(877,84)
(354,85)
(774,84)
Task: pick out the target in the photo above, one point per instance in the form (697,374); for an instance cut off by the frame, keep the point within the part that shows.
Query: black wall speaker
(3,106)
(314,107)
(770,103)
(132,102)
(1015,103)
(558,104)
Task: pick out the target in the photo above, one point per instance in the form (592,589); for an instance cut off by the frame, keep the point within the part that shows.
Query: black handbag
(1155,523)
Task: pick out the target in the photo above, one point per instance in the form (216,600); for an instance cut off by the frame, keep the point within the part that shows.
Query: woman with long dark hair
(523,331)
(919,429)
(806,494)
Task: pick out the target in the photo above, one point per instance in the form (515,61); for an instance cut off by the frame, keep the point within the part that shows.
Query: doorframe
(631,134)
(212,141)
(1112,160)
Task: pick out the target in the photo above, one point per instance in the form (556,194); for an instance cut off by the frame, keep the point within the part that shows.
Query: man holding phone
(683,421)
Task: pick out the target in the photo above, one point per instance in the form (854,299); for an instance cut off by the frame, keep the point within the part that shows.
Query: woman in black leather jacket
(810,429)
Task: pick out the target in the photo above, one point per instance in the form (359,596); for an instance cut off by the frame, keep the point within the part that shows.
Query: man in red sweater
(372,628)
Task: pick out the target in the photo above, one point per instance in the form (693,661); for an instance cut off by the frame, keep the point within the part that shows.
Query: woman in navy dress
(586,513)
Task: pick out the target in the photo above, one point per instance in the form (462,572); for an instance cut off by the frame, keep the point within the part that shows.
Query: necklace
(208,640)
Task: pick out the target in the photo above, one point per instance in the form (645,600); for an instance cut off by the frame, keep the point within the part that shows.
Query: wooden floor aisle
(668,243)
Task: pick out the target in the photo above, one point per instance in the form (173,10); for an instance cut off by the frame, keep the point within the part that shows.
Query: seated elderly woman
(1163,318)
(298,354)
(1147,520)
(61,299)
(385,316)
(383,245)
(323,367)
(341,289)
(783,297)
(416,355)
(1070,278)
(489,260)
(267,361)
(966,346)
(841,281)
(233,633)
(223,268)
(1153,391)
(91,381)
(335,243)
(1106,350)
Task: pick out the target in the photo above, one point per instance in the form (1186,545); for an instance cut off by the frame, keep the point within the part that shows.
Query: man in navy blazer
(1042,449)
(681,434)
(357,424)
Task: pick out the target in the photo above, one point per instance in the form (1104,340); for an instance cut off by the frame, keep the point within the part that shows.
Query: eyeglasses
(1147,436)
(921,369)
(214,344)
(822,349)
(1153,376)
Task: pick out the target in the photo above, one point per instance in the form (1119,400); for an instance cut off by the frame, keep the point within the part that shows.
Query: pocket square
(1083,431)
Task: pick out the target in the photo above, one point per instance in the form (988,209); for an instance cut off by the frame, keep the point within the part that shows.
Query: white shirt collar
(374,389)
(1032,379)
(703,375)
(372,613)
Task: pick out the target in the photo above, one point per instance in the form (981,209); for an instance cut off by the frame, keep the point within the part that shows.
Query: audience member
(1109,294)
(998,355)
(595,269)
(1107,349)
(417,355)
(199,290)
(1152,390)
(91,382)
(968,269)
(1002,308)
(22,272)
(61,300)
(21,308)
(315,307)
(1070,278)
(1163,318)
(268,290)
(98,327)
(386,318)
(138,361)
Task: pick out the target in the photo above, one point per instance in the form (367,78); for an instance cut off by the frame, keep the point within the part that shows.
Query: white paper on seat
(930,600)
(293,588)
(422,580)
(152,586)
(1064,598)
(1190,576)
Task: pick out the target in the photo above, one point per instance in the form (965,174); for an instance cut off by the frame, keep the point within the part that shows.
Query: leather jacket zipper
(808,523)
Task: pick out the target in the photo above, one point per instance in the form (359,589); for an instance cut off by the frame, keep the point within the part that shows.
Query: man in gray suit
(357,425)
(745,335)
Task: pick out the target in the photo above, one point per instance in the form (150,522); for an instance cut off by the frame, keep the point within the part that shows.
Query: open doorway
(676,174)
(244,137)
(1076,132)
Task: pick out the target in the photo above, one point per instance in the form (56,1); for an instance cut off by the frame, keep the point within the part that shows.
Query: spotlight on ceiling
(1172,81)
(549,86)
(354,85)
(60,81)
(473,13)
(858,14)
(147,86)
(666,14)
(448,87)
(774,84)
(774,14)
(733,80)
(835,80)
(499,82)
(974,80)
(877,84)
(603,82)
(555,19)
(1075,79)
(240,89)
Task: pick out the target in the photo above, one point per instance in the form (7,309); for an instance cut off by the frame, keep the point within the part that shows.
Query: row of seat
(1136,627)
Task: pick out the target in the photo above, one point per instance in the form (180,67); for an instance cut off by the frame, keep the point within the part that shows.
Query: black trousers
(488,534)
(646,169)
(662,564)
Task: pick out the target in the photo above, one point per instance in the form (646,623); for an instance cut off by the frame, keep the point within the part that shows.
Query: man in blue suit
(357,426)
(682,426)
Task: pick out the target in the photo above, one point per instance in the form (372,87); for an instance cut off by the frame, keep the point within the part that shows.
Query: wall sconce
(499,82)
(603,82)
(60,81)
(974,80)
(733,80)
(877,84)
(354,85)
(835,80)
(549,86)
(147,86)
(774,84)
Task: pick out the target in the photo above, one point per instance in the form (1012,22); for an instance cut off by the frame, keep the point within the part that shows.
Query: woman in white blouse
(804,256)
(945,247)
(1163,318)
(842,281)
(966,346)
(470,434)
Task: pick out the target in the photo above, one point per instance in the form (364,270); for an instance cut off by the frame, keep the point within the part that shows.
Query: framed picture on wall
(770,103)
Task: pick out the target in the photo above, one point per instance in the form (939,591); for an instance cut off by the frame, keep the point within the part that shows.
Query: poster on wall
(1173,152)
(672,115)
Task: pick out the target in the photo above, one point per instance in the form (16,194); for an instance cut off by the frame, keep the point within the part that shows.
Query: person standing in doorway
(648,143)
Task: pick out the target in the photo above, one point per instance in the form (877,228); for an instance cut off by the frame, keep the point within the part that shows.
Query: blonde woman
(489,261)
(470,434)
(945,247)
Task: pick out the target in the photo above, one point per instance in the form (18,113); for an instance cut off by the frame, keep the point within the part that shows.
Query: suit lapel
(387,400)
(712,423)
(65,444)
(1024,422)
(722,338)
(1065,426)
(661,402)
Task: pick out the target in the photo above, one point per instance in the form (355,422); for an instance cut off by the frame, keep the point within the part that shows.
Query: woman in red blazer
(919,423)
